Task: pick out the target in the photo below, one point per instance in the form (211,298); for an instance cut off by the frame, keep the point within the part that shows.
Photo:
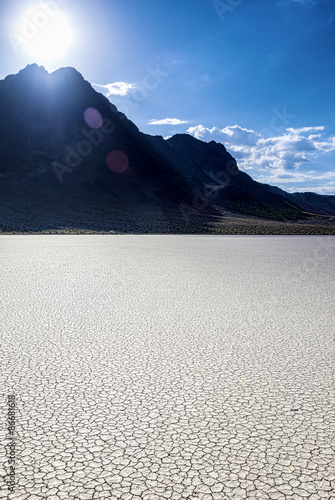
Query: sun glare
(50,41)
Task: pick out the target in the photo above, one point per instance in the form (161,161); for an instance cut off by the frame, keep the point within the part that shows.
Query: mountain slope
(48,141)
(310,202)
(61,140)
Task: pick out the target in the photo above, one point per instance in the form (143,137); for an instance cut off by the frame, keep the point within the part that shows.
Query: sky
(255,75)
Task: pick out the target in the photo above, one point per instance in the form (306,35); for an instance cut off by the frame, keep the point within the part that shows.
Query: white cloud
(309,181)
(305,129)
(167,121)
(328,189)
(289,177)
(279,153)
(116,88)
(234,134)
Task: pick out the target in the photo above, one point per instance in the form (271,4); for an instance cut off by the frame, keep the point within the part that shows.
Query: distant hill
(61,140)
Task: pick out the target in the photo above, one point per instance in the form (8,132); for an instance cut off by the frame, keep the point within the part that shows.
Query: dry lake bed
(167,367)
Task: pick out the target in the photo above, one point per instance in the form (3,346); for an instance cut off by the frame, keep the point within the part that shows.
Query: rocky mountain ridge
(61,136)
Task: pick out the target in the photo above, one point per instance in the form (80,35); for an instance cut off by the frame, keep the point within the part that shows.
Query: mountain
(310,202)
(64,146)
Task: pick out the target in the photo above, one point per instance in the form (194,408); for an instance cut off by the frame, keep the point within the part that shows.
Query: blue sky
(256,75)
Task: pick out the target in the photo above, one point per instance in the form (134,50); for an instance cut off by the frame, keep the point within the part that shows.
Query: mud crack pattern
(168,367)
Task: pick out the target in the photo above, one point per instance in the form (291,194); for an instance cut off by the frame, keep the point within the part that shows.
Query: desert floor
(167,367)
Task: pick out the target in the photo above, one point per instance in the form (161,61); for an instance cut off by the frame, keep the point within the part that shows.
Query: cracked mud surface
(168,367)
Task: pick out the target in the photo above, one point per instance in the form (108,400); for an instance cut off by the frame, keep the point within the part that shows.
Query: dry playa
(168,367)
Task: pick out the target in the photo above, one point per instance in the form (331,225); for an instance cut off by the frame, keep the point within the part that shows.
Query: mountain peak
(33,69)
(57,132)
(68,72)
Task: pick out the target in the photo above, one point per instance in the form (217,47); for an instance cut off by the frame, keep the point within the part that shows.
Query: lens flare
(93,118)
(117,161)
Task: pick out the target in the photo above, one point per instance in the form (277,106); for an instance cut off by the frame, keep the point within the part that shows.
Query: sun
(49,38)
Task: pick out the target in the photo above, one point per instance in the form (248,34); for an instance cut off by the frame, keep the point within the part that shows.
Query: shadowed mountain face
(61,139)
(59,132)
